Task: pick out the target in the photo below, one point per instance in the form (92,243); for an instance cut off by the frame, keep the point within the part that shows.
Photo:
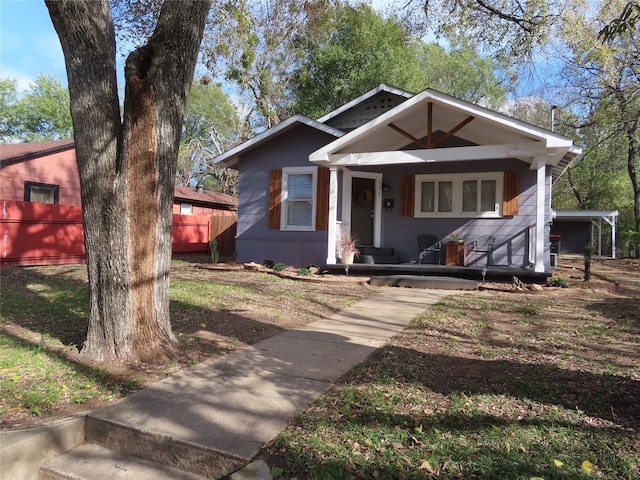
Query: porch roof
(483,133)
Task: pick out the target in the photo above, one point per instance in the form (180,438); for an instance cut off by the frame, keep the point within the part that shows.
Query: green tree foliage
(39,114)
(461,72)
(349,51)
(352,49)
(250,45)
(210,127)
(509,29)
(627,21)
(603,81)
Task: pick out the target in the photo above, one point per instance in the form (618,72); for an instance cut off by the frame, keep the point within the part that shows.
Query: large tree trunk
(127,168)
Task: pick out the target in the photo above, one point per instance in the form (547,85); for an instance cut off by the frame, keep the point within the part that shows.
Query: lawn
(486,385)
(494,384)
(43,321)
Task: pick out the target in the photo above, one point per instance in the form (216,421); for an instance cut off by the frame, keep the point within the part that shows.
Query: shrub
(213,247)
(304,272)
(559,282)
(279,267)
(268,263)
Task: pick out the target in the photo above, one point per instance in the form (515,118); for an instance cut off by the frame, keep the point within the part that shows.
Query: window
(298,194)
(186,209)
(459,195)
(40,192)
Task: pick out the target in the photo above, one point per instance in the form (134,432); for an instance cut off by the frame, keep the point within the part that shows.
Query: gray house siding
(511,232)
(255,241)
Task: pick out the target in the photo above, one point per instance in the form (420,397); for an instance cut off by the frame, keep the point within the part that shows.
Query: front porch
(480,273)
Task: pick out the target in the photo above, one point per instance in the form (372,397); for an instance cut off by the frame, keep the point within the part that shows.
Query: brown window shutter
(322,200)
(511,192)
(275,190)
(407,195)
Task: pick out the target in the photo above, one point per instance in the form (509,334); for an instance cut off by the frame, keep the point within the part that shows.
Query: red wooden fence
(43,234)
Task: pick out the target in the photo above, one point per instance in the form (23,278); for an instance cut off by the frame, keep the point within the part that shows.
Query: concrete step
(428,282)
(93,462)
(127,438)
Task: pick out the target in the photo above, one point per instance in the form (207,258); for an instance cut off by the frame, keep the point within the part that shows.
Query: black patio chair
(483,245)
(429,244)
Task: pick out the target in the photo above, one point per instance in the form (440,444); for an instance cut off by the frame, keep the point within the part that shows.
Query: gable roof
(206,198)
(230,157)
(382,88)
(509,137)
(18,152)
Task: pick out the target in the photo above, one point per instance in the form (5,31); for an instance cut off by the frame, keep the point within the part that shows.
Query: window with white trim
(298,198)
(186,209)
(459,195)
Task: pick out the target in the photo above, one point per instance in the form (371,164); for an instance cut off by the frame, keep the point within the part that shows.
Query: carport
(595,218)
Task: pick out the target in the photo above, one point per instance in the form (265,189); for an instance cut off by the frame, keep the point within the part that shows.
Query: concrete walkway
(212,419)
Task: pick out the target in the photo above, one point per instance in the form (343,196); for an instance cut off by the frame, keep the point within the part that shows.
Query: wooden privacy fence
(223,229)
(44,234)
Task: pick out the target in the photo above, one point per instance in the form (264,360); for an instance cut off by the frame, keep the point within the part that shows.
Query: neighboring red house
(33,175)
(187,201)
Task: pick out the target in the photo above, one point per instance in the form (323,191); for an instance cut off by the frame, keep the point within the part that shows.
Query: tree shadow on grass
(608,397)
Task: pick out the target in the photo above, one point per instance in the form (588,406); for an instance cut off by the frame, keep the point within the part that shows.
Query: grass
(43,322)
(484,386)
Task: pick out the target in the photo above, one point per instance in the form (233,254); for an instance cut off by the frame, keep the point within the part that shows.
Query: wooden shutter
(407,195)
(275,190)
(322,199)
(511,192)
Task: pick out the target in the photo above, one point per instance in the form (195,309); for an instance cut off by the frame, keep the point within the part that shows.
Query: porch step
(379,256)
(93,462)
(430,282)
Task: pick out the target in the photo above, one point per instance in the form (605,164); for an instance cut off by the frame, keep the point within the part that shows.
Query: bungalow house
(391,166)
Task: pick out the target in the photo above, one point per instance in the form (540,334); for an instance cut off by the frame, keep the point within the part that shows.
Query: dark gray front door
(363,209)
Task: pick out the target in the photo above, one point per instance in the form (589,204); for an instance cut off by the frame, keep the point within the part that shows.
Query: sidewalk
(213,418)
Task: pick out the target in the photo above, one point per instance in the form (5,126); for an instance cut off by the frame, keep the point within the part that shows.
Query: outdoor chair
(429,244)
(483,245)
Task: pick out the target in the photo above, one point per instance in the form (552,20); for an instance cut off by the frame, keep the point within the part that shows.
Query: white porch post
(333,215)
(540,213)
(613,235)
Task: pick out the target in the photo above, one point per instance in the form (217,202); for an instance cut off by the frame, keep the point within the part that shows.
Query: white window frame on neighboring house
(452,205)
(288,205)
(186,209)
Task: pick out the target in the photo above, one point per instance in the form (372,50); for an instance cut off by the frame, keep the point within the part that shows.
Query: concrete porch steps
(93,462)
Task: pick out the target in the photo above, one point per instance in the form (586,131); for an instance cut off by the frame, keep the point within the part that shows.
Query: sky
(29,44)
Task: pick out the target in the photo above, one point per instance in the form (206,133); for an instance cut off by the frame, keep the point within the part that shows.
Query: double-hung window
(298,198)
(459,195)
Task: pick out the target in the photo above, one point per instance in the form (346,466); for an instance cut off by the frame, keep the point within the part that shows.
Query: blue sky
(29,44)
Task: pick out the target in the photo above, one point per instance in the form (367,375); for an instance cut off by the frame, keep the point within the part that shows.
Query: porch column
(612,222)
(540,164)
(333,215)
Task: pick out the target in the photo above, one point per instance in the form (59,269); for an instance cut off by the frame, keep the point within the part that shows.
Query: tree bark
(127,168)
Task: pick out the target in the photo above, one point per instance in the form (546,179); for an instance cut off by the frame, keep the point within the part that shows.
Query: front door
(363,203)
